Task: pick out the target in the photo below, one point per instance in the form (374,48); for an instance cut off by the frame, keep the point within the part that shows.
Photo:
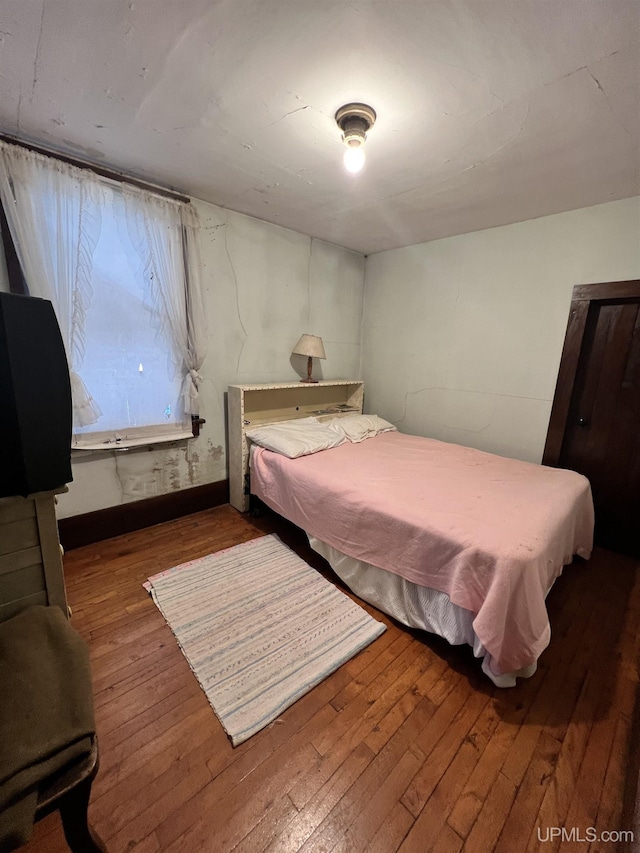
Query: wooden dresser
(30,553)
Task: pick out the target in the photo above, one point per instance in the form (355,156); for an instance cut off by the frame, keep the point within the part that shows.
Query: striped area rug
(259,628)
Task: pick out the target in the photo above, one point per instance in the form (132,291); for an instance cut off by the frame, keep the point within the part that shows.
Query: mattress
(490,533)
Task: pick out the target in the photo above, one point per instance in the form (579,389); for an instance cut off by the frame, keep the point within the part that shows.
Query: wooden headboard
(253,405)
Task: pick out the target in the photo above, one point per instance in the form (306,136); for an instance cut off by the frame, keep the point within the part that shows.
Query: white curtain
(54,222)
(164,234)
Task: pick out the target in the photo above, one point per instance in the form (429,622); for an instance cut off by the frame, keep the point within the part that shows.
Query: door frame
(582,298)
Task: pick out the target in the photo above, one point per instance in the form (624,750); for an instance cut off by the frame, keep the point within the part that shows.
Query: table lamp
(311,346)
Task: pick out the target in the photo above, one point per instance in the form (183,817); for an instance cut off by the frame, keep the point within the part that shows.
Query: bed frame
(256,405)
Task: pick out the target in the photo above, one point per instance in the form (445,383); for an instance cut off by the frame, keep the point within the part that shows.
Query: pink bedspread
(493,533)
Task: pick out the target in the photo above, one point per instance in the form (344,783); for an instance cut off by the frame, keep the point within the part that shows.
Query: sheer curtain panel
(53,213)
(164,234)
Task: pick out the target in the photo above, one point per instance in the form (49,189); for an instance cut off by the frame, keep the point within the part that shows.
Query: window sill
(118,445)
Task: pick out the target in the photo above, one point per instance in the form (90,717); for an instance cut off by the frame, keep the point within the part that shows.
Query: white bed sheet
(413,605)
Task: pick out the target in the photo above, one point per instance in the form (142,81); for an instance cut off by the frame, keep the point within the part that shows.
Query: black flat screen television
(35,398)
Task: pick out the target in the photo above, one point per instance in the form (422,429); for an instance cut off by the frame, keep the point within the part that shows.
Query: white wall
(462,337)
(264,287)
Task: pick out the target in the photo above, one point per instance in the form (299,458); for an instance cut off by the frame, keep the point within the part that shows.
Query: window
(130,363)
(120,267)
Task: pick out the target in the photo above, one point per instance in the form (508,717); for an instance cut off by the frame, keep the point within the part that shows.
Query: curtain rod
(111,174)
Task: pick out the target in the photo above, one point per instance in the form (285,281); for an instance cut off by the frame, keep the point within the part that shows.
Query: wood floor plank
(232,817)
(142,725)
(441,753)
(448,841)
(270,827)
(523,816)
(375,699)
(256,772)
(372,672)
(156,802)
(436,788)
(132,667)
(591,667)
(519,730)
(583,809)
(139,697)
(345,812)
(406,747)
(375,810)
(395,717)
(611,800)
(314,812)
(391,833)
(320,770)
(493,815)
(126,785)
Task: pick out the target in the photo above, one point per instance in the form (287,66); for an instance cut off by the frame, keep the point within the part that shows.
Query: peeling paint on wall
(193,459)
(215,453)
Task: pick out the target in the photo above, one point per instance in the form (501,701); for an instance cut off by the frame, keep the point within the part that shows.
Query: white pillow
(296,438)
(358,427)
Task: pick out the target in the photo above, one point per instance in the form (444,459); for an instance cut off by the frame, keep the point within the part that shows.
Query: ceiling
(489,111)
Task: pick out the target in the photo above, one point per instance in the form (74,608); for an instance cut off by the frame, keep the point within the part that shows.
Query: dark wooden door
(601,434)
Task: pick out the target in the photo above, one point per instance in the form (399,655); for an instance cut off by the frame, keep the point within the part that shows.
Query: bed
(449,539)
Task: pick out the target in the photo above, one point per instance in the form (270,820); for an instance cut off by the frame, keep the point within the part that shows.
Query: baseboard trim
(79,530)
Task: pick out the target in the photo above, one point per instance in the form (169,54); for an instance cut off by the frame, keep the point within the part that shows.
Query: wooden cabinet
(254,405)
(30,554)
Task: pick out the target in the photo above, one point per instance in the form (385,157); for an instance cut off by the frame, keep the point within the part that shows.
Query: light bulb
(354,158)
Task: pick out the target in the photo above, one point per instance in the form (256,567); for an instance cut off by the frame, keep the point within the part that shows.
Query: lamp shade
(309,345)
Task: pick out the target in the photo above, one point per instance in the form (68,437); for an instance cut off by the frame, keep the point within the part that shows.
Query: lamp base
(310,381)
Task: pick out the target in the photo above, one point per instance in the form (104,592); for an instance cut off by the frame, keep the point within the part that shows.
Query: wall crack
(290,113)
(235,279)
(608,102)
(493,394)
(37,56)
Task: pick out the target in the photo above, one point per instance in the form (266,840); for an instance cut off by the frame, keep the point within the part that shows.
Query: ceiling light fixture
(354,120)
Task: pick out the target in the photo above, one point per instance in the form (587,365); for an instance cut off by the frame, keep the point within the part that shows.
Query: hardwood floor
(406,747)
